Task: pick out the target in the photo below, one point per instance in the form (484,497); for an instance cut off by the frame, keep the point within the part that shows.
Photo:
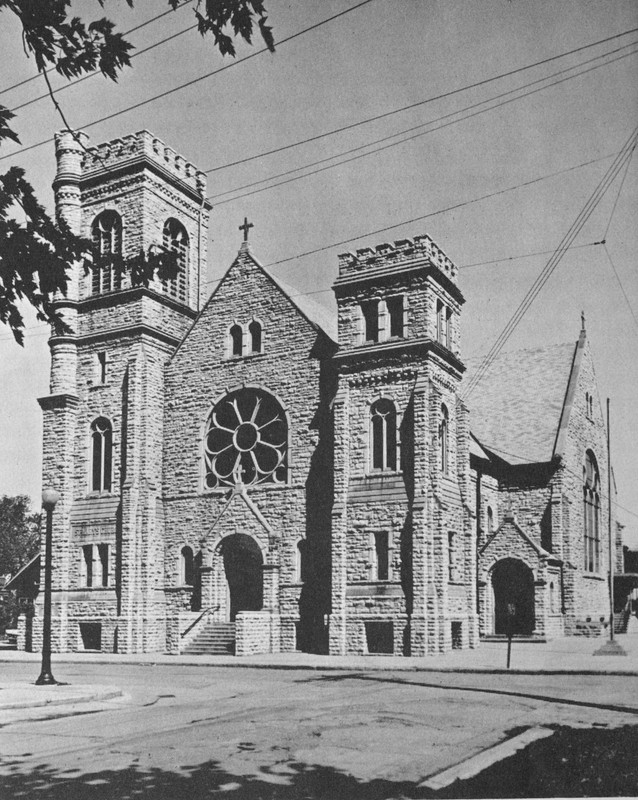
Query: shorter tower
(103,420)
(402,542)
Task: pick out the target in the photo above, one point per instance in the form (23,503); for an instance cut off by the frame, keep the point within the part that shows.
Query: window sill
(594,576)
(244,357)
(93,386)
(95,588)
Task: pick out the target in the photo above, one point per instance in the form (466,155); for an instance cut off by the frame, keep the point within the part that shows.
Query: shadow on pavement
(571,763)
(448,687)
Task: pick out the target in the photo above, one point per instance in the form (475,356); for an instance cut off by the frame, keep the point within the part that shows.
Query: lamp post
(49,498)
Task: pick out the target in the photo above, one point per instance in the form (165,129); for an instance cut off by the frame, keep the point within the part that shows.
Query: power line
(420,218)
(406,222)
(95,74)
(554,260)
(196,80)
(418,103)
(125,33)
(414,135)
(622,288)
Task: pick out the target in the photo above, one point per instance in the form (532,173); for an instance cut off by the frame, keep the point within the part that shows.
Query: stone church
(242,473)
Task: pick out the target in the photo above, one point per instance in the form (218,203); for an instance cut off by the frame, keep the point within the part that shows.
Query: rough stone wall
(131,609)
(590,598)
(422,510)
(291,367)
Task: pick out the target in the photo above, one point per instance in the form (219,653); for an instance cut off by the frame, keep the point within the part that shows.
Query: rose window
(246,440)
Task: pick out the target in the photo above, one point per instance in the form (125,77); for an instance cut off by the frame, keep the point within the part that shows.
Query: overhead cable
(214,198)
(600,190)
(192,82)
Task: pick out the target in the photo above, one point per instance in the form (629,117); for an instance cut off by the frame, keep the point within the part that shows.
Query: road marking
(472,766)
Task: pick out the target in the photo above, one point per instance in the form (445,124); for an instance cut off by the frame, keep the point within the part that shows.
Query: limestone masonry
(240,472)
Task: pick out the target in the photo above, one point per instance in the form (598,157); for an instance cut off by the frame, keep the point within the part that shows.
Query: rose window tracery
(246,440)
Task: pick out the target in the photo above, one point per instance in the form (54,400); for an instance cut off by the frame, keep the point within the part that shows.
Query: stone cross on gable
(246,227)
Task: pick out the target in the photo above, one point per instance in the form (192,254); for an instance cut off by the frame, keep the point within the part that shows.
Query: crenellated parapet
(143,144)
(387,257)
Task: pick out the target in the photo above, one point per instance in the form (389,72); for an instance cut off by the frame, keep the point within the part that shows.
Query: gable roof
(516,410)
(318,316)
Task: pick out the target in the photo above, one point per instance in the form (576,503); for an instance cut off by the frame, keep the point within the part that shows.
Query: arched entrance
(242,562)
(513,586)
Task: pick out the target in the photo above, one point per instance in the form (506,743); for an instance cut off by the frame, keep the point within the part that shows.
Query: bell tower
(103,419)
(402,559)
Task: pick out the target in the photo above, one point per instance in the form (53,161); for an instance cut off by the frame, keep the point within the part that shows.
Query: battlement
(142,144)
(387,257)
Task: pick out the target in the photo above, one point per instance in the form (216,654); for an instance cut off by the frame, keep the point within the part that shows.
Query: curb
(108,693)
(332,667)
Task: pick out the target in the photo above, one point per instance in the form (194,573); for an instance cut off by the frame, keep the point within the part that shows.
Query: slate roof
(515,410)
(318,314)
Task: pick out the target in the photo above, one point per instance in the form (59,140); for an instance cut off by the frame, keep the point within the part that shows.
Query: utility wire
(442,96)
(548,270)
(496,105)
(553,262)
(555,259)
(181,86)
(613,210)
(125,33)
(95,74)
(622,288)
(420,218)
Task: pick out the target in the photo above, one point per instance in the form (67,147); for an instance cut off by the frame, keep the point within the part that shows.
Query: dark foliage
(35,253)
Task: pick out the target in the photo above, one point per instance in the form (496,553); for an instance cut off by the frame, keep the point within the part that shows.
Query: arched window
(175,240)
(255,336)
(246,440)
(383,424)
(186,567)
(552,598)
(300,561)
(591,512)
(490,521)
(107,252)
(102,454)
(444,440)
(236,340)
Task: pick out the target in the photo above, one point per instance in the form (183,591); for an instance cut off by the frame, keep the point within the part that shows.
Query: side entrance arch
(513,587)
(238,570)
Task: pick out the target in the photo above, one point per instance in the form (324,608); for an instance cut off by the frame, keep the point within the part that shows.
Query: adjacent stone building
(239,473)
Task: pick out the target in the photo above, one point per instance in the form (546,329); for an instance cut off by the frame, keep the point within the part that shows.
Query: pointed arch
(101,455)
(591,513)
(383,435)
(175,240)
(444,439)
(106,233)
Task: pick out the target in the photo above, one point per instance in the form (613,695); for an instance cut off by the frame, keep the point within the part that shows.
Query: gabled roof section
(14,581)
(510,523)
(520,406)
(318,316)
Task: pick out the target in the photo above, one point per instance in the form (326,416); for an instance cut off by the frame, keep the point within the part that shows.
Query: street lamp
(49,498)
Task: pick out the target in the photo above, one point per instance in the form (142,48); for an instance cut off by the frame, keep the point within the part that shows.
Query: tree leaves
(35,252)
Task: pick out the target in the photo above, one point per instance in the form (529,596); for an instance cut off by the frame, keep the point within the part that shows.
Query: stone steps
(216,638)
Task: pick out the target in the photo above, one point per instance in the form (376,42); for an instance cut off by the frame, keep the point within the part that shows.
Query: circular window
(246,440)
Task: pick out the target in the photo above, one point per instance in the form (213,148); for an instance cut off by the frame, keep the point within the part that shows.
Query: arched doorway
(242,561)
(513,586)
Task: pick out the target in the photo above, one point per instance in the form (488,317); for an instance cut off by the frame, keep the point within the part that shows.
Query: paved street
(207,732)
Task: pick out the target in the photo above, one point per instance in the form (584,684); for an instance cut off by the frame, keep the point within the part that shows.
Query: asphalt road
(249,733)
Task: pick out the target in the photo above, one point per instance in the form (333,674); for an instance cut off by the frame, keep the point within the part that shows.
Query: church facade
(238,473)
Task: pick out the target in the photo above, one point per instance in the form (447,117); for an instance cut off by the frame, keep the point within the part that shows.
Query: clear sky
(383,56)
